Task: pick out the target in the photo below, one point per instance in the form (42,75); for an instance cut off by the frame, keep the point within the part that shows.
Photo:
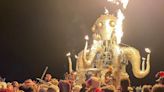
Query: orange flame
(120,18)
(118,29)
(124,2)
(106,11)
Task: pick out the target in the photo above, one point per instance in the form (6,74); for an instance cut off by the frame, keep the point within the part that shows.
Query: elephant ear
(129,51)
(122,45)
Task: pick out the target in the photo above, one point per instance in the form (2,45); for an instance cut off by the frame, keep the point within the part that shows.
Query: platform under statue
(107,57)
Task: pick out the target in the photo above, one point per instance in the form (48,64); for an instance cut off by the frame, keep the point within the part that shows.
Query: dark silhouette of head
(146,88)
(124,84)
(158,88)
(109,88)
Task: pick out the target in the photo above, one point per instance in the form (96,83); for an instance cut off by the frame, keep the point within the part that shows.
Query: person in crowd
(88,83)
(125,85)
(42,90)
(160,76)
(51,90)
(108,76)
(3,84)
(66,76)
(138,89)
(94,85)
(48,77)
(15,86)
(54,81)
(71,78)
(109,88)
(84,87)
(10,87)
(28,86)
(48,81)
(76,88)
(158,88)
(146,88)
(65,86)
(162,81)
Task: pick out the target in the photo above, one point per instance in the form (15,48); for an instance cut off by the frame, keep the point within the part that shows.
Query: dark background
(38,33)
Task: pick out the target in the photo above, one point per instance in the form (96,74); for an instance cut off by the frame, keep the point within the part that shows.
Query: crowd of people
(50,84)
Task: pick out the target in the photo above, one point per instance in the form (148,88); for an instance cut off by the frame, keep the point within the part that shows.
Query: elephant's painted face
(104,27)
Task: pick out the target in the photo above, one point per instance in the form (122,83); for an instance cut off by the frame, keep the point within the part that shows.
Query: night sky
(38,33)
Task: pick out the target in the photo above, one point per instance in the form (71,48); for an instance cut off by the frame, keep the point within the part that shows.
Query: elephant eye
(112,23)
(100,24)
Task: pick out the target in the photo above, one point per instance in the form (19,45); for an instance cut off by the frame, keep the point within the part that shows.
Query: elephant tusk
(85,49)
(148,55)
(143,64)
(69,62)
(77,67)
(86,46)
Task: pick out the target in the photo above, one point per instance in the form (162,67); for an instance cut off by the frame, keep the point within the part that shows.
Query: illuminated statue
(107,50)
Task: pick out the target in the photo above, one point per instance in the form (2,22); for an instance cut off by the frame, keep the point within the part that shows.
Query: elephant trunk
(88,55)
(134,58)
